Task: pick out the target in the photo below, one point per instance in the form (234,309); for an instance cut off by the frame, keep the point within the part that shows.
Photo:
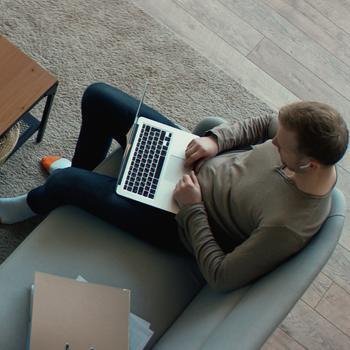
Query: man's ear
(314,164)
(307,165)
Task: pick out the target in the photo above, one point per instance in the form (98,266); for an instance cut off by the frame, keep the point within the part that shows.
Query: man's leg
(107,113)
(95,193)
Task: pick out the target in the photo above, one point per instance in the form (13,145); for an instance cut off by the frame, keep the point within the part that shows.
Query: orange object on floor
(47,161)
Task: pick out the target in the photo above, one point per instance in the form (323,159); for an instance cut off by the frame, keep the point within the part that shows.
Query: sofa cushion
(70,242)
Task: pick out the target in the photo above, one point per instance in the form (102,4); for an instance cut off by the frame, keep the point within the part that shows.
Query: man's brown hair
(321,132)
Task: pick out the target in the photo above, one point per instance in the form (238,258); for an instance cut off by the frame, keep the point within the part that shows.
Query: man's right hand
(199,150)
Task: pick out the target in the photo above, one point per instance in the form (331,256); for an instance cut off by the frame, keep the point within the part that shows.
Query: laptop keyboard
(147,162)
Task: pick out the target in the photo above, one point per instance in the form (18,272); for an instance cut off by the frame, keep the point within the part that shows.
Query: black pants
(107,113)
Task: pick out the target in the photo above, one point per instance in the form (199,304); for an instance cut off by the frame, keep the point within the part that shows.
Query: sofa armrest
(246,317)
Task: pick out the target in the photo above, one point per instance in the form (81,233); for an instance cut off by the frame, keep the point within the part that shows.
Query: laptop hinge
(127,152)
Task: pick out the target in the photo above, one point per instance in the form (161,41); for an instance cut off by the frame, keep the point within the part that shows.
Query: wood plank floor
(286,50)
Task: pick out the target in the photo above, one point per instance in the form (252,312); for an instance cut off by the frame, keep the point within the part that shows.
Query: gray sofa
(165,288)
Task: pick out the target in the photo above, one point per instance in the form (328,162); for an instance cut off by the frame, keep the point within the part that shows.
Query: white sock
(15,209)
(60,164)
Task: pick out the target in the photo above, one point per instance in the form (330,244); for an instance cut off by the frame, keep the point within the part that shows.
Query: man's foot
(15,209)
(52,163)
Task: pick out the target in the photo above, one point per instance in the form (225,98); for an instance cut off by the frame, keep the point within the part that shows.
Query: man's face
(286,143)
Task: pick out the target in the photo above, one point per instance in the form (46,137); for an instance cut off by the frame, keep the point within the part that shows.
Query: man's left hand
(188,190)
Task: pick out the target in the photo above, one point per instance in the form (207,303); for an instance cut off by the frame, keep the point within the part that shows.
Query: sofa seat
(70,242)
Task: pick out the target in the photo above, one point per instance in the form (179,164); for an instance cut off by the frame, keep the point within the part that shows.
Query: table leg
(47,109)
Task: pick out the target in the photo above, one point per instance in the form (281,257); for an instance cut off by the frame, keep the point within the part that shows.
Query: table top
(22,83)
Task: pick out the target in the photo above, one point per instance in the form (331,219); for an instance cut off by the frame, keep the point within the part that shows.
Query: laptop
(153,162)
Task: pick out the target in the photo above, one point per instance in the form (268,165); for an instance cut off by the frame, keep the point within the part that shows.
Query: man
(241,213)
(274,197)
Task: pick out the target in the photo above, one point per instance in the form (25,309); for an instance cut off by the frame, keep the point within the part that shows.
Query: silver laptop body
(153,163)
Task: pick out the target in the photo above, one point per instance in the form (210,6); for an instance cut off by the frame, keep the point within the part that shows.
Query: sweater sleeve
(264,250)
(244,133)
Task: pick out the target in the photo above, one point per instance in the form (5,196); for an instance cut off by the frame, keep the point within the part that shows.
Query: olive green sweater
(252,216)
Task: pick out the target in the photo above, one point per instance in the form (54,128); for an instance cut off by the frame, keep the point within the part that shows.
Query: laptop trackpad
(175,169)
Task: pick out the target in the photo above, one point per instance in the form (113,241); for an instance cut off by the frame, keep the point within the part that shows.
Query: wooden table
(23,83)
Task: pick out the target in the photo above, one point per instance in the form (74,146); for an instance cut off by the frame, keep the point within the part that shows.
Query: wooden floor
(283,51)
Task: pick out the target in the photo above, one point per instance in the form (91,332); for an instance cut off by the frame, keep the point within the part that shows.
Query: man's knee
(94,94)
(99,99)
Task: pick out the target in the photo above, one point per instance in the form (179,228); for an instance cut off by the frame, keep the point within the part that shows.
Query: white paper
(139,332)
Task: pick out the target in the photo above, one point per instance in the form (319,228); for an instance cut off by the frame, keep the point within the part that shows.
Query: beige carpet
(84,41)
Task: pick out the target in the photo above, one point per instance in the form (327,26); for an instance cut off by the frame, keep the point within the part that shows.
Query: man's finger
(186,179)
(180,183)
(194,177)
(191,150)
(191,143)
(192,158)
(188,149)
